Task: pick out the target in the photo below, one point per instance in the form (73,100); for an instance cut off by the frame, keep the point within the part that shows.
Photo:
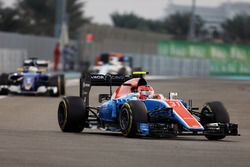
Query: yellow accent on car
(42,70)
(140,73)
(20,69)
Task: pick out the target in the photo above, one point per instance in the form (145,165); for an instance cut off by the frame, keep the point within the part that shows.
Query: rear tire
(214,112)
(4,91)
(72,114)
(137,69)
(132,113)
(55,81)
(62,78)
(4,82)
(122,71)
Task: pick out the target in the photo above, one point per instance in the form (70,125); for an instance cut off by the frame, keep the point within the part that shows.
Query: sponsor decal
(97,77)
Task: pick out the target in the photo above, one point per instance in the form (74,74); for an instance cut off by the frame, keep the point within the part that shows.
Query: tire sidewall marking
(66,113)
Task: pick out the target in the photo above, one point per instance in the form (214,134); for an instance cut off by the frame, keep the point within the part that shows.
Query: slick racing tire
(4,92)
(55,81)
(72,114)
(137,69)
(62,78)
(4,82)
(214,112)
(132,113)
(122,71)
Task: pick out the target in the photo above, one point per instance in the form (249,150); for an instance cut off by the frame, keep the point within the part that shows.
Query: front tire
(214,112)
(72,114)
(132,113)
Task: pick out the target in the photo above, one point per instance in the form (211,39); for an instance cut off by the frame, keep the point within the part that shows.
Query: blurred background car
(33,78)
(113,63)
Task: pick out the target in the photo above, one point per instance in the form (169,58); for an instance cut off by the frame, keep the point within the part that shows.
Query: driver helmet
(145,92)
(33,69)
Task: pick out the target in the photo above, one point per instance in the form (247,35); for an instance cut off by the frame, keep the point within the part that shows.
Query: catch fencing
(10,59)
(35,46)
(159,65)
(14,48)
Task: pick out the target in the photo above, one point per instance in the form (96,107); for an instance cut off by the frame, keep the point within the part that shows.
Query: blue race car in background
(135,109)
(33,78)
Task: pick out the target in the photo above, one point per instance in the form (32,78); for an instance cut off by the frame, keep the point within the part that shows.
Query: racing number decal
(174,104)
(183,114)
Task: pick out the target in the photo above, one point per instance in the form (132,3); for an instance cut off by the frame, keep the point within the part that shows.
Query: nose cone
(28,83)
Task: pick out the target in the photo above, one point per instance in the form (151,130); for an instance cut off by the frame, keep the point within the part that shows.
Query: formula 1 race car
(135,110)
(32,78)
(113,63)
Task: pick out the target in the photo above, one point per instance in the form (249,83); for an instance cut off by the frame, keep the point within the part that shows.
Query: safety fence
(35,46)
(159,65)
(10,59)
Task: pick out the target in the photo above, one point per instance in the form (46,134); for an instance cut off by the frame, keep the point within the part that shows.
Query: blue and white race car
(32,78)
(135,109)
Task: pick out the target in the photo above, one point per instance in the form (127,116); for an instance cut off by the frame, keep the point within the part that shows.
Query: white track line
(2,97)
(72,82)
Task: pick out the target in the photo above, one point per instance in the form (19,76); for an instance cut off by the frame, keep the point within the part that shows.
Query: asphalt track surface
(30,136)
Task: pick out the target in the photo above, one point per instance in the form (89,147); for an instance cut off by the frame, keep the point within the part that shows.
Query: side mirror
(173,95)
(104,97)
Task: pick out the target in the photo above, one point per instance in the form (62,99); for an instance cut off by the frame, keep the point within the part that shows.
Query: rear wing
(35,62)
(89,80)
(42,63)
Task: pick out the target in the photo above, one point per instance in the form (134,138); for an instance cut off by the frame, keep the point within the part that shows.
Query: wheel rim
(125,119)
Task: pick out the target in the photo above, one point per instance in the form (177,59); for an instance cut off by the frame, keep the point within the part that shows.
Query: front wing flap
(227,129)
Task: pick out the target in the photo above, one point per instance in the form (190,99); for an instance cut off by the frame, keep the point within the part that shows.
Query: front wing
(166,129)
